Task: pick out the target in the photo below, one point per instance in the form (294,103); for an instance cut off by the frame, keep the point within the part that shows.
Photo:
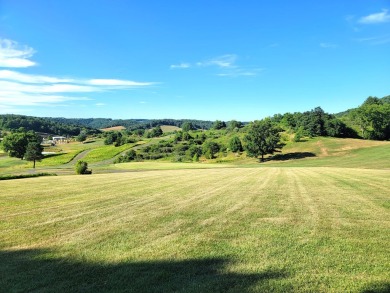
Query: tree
(263,138)
(373,118)
(15,144)
(235,144)
(298,134)
(34,152)
(194,151)
(82,136)
(155,132)
(82,168)
(219,125)
(210,148)
(233,124)
(187,126)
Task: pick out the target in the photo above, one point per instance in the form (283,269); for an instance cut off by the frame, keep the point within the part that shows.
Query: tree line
(131,124)
(10,122)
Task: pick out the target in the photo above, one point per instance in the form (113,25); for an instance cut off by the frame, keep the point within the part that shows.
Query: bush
(210,148)
(82,168)
(235,144)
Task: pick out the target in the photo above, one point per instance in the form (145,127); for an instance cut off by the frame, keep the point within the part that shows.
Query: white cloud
(20,89)
(180,66)
(118,82)
(328,45)
(379,17)
(44,88)
(14,56)
(100,104)
(28,78)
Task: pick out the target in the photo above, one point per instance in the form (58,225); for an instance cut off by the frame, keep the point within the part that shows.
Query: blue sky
(209,60)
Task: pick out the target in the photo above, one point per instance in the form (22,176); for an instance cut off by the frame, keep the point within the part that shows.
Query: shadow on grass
(39,270)
(52,155)
(377,288)
(292,156)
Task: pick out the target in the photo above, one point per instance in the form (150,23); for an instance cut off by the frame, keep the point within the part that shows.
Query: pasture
(265,229)
(114,128)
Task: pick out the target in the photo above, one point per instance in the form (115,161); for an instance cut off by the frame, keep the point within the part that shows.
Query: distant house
(59,139)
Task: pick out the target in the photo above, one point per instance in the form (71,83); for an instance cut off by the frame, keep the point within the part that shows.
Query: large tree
(15,144)
(262,138)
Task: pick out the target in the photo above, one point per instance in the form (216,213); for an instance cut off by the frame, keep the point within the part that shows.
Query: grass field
(105,152)
(169,128)
(114,128)
(211,230)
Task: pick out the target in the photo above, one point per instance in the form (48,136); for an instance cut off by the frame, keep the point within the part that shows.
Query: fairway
(210,230)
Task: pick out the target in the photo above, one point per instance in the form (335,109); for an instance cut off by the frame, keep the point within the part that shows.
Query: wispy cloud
(236,72)
(12,55)
(226,65)
(27,99)
(180,66)
(100,104)
(328,45)
(20,89)
(223,61)
(28,78)
(374,41)
(379,17)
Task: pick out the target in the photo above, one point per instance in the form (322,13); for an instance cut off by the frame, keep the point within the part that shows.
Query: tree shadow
(52,155)
(291,156)
(40,270)
(382,287)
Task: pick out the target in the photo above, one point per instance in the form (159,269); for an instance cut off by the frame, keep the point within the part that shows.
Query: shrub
(82,168)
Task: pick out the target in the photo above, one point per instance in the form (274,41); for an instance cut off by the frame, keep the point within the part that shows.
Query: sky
(208,60)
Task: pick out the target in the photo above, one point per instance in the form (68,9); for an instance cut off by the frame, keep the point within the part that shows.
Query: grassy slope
(330,152)
(216,230)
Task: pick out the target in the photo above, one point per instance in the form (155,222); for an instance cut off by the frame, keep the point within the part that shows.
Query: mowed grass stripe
(111,201)
(306,225)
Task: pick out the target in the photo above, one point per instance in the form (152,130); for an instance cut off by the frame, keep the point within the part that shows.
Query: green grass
(160,165)
(331,152)
(215,230)
(68,152)
(106,152)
